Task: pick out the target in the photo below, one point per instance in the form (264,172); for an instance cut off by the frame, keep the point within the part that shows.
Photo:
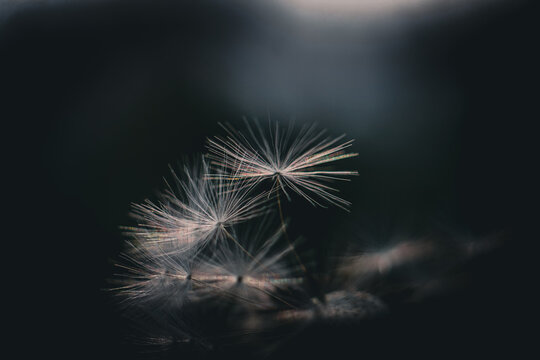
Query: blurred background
(101,96)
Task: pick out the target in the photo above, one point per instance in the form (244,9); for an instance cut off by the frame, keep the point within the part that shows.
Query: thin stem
(283,227)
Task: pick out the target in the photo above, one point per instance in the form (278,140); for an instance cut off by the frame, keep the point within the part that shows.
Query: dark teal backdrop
(100,97)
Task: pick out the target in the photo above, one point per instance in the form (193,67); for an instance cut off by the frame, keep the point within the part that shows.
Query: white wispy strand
(290,162)
(153,278)
(252,274)
(197,209)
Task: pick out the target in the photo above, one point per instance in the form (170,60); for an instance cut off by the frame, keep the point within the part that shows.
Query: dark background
(100,97)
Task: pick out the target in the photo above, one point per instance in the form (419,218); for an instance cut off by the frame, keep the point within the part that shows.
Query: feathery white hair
(252,273)
(290,162)
(194,211)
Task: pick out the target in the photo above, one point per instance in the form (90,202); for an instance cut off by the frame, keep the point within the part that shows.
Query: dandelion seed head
(151,280)
(251,274)
(292,163)
(193,211)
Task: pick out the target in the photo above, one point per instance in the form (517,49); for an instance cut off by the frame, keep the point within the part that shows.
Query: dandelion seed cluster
(210,263)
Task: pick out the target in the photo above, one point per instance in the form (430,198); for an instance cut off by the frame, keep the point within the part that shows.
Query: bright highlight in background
(371,8)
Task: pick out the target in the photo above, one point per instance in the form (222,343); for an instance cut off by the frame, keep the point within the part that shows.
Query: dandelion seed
(153,279)
(291,163)
(253,277)
(197,210)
